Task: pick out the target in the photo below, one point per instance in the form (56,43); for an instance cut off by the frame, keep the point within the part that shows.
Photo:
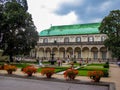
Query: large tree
(19,32)
(110,26)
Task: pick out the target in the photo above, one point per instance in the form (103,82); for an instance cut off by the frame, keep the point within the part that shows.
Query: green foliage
(106,65)
(21,65)
(92,67)
(19,31)
(106,73)
(110,26)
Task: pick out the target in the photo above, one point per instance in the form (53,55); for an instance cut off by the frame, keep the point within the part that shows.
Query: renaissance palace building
(72,41)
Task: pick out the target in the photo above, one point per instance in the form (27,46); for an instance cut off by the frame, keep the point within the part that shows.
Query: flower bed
(48,72)
(83,71)
(29,70)
(70,74)
(95,75)
(10,68)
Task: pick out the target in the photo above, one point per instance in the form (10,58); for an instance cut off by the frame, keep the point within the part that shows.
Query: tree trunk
(11,58)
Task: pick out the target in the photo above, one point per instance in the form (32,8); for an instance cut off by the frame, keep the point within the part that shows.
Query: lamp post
(52,55)
(52,58)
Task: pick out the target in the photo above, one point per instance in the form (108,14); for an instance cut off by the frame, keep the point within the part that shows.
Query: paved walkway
(114,75)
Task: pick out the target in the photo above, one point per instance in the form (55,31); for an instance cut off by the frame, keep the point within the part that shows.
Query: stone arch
(40,52)
(103,53)
(47,52)
(94,53)
(103,49)
(77,52)
(55,51)
(85,52)
(69,52)
(94,49)
(61,52)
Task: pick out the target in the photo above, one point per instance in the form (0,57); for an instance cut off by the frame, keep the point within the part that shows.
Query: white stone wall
(84,38)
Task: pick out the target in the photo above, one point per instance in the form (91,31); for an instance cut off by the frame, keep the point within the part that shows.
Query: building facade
(72,41)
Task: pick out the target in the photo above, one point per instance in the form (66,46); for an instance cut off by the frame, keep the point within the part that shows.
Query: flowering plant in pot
(29,70)
(10,68)
(95,75)
(70,73)
(48,72)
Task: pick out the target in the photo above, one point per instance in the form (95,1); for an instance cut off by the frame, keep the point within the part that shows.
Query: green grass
(21,65)
(60,69)
(83,71)
(96,64)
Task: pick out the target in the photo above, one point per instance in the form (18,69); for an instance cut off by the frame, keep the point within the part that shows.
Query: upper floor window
(90,39)
(78,39)
(45,40)
(66,39)
(103,38)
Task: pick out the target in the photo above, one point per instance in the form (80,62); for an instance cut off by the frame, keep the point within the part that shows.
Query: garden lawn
(83,71)
(21,65)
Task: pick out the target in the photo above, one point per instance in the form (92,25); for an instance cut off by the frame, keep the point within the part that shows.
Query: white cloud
(96,20)
(43,16)
(106,5)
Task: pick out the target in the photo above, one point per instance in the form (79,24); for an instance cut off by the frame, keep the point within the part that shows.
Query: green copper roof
(91,28)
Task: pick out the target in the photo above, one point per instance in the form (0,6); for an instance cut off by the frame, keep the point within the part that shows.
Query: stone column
(90,54)
(99,54)
(81,54)
(58,53)
(73,53)
(65,53)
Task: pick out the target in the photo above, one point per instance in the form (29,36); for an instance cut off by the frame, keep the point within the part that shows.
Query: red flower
(29,69)
(48,71)
(70,73)
(95,74)
(10,68)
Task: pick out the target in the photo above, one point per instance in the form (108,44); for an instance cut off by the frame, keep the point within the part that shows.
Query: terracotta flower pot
(96,79)
(48,75)
(71,77)
(29,74)
(9,72)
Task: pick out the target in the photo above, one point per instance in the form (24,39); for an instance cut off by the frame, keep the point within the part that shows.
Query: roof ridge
(88,28)
(74,25)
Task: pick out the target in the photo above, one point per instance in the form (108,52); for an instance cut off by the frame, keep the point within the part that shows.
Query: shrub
(10,68)
(106,73)
(70,73)
(29,70)
(48,72)
(106,66)
(95,75)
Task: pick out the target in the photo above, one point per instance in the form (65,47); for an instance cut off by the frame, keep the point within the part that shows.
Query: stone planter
(71,77)
(29,74)
(48,75)
(97,79)
(9,72)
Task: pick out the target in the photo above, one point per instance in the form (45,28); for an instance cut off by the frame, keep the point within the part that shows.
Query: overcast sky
(64,12)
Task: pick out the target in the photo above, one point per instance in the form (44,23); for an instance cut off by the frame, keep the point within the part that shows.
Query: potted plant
(95,75)
(29,70)
(10,68)
(48,72)
(70,73)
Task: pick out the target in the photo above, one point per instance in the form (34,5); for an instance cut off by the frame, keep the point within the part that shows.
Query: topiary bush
(106,66)
(106,73)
